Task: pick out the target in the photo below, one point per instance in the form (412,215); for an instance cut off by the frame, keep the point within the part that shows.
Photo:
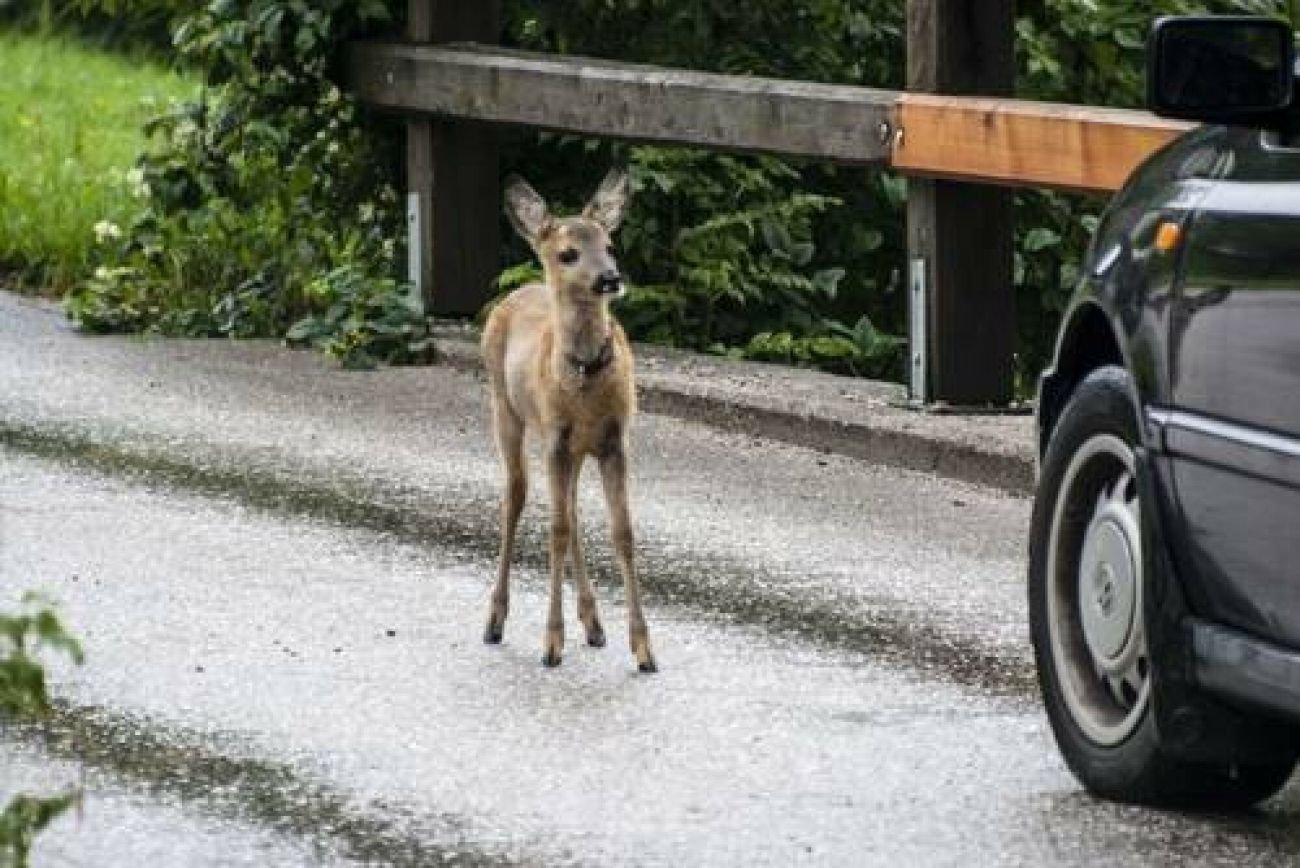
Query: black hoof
(492,635)
(648,666)
(596,638)
(550,659)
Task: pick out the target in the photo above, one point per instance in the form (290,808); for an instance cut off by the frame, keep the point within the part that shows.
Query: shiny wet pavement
(316,693)
(280,572)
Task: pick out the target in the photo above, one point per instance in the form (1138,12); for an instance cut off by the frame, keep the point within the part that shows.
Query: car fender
(1118,314)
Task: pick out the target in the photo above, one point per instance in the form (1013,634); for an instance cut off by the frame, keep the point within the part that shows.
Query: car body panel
(1210,332)
(1234,360)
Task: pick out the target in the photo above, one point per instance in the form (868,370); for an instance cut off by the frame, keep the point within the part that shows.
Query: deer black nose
(609,282)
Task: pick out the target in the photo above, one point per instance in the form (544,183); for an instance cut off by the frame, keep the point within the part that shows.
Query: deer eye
(610,250)
(568,256)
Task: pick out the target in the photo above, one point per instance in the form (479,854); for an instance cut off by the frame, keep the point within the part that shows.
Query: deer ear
(608,206)
(526,210)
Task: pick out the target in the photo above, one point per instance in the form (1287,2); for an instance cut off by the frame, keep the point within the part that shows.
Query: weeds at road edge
(23,695)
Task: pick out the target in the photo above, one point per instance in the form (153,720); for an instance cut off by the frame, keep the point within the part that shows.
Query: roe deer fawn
(560,364)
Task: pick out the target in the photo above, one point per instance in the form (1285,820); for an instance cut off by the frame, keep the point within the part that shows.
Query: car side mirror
(1220,69)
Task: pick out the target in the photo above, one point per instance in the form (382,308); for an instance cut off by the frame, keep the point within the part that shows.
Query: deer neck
(582,331)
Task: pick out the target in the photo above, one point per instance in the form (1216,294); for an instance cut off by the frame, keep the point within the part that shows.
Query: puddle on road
(170,764)
(719,588)
(117,825)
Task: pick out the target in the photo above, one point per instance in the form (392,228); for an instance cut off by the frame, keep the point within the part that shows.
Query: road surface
(280,571)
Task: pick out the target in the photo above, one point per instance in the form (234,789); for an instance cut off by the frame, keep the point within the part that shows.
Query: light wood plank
(1023,143)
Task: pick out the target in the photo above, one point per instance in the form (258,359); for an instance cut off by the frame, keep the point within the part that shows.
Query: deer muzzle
(609,283)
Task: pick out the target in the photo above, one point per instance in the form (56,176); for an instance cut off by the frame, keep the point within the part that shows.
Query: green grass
(70,121)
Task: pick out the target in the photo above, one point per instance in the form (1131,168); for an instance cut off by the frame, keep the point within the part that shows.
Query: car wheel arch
(1088,342)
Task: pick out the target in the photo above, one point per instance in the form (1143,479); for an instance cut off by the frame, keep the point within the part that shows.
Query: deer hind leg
(588,612)
(561,468)
(510,443)
(613,474)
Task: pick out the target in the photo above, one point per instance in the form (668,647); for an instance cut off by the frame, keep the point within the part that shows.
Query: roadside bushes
(264,202)
(264,208)
(754,257)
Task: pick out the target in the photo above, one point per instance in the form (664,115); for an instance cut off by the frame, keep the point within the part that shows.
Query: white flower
(332,95)
(332,148)
(106,231)
(185,132)
(103,273)
(367,212)
(136,183)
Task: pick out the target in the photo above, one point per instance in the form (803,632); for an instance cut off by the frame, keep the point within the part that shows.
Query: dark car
(1164,577)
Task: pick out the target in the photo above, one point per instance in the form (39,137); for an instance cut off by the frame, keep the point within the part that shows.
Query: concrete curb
(861,419)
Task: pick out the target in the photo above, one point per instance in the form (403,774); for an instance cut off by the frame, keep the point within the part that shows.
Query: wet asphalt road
(280,572)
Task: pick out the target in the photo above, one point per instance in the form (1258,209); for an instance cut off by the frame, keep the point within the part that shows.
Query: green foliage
(70,121)
(23,819)
(24,636)
(135,25)
(718,248)
(366,322)
(726,252)
(1081,52)
(851,41)
(258,209)
(859,350)
(266,203)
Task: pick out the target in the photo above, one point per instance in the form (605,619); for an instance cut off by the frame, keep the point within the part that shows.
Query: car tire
(1087,623)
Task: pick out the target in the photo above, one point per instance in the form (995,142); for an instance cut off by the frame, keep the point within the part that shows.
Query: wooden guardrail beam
(998,141)
(628,101)
(1013,142)
(961,141)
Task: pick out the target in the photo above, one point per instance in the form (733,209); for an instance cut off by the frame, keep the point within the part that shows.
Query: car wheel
(1086,586)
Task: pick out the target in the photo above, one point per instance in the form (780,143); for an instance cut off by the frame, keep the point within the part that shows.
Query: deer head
(576,253)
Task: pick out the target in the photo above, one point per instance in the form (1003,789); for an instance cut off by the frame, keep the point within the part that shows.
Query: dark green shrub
(135,25)
(727,251)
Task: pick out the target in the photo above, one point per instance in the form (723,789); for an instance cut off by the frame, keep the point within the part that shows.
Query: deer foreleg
(510,443)
(588,613)
(560,468)
(613,474)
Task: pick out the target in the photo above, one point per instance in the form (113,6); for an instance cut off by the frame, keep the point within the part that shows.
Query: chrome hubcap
(1095,592)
